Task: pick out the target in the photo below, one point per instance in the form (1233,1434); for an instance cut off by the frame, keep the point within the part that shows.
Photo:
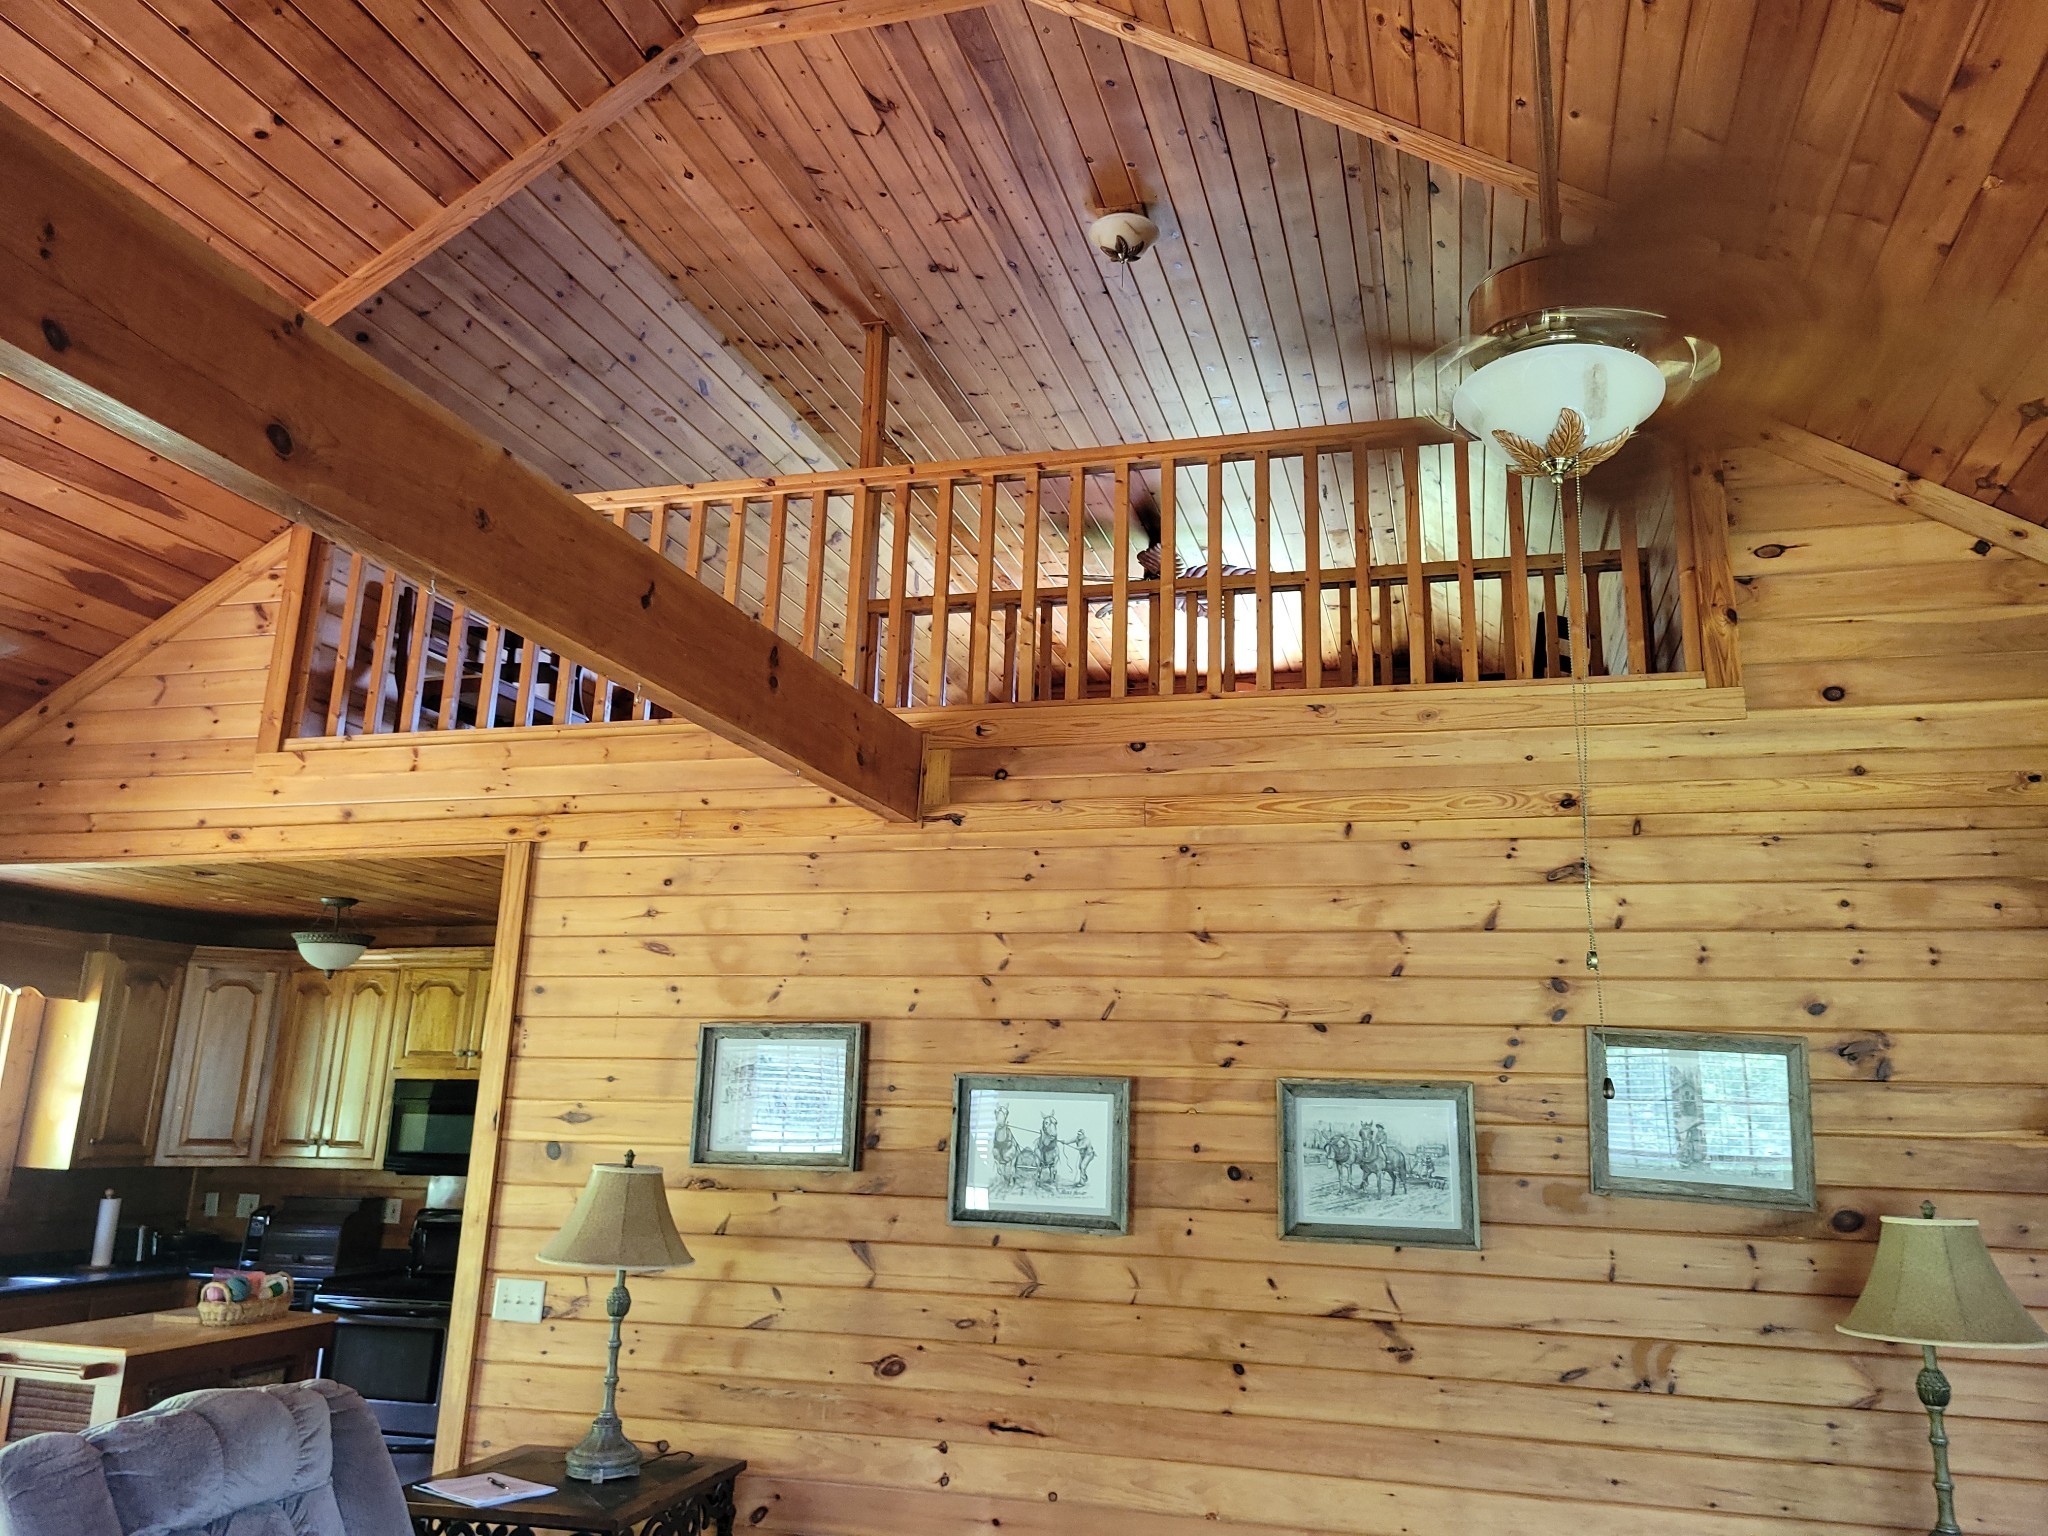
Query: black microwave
(432,1121)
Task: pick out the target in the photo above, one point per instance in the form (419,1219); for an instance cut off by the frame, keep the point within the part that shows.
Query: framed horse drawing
(1047,1152)
(1378,1162)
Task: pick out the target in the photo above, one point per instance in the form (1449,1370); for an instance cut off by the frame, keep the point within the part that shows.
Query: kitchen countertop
(32,1279)
(148,1333)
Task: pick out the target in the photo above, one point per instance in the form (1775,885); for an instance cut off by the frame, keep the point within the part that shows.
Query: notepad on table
(485,1490)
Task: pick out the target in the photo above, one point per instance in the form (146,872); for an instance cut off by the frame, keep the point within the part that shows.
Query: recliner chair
(302,1459)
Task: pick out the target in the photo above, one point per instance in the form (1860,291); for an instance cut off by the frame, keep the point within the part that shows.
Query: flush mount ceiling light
(332,948)
(1123,237)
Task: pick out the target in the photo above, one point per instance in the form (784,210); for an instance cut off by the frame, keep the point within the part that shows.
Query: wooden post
(1077,612)
(1576,588)
(1468,590)
(1030,641)
(896,645)
(778,545)
(351,616)
(699,513)
(1419,667)
(874,394)
(1632,607)
(409,698)
(1215,581)
(1262,563)
(1361,559)
(858,662)
(1706,521)
(1515,609)
(984,583)
(306,561)
(380,653)
(1312,568)
(1119,582)
(735,549)
(1169,580)
(815,532)
(942,590)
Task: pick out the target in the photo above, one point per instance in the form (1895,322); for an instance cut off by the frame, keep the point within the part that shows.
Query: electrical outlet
(519,1301)
(211,1207)
(245,1205)
(394,1211)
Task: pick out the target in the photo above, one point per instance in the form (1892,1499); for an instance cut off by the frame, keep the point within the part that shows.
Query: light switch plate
(211,1207)
(394,1211)
(245,1205)
(519,1301)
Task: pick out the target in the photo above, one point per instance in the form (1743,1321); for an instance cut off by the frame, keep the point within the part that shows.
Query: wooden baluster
(942,587)
(345,647)
(1633,614)
(699,513)
(860,584)
(451,667)
(1575,583)
(487,685)
(1077,613)
(1215,582)
(1230,639)
(1031,638)
(1596,625)
(409,699)
(1552,661)
(1420,669)
(1045,649)
(984,586)
(1468,587)
(1312,569)
(1007,691)
(657,529)
(778,549)
(1347,648)
(735,550)
(1193,630)
(896,652)
(1361,556)
(816,530)
(1520,644)
(380,653)
(1119,581)
(1169,580)
(1386,656)
(522,697)
(1262,564)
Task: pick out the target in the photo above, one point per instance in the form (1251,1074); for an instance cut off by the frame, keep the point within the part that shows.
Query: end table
(674,1495)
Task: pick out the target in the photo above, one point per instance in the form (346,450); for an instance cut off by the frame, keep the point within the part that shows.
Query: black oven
(432,1120)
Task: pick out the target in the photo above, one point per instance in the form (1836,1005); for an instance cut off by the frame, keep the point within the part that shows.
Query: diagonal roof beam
(1367,123)
(111,309)
(737,24)
(395,260)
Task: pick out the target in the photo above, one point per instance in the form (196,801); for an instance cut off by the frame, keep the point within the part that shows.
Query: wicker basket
(237,1314)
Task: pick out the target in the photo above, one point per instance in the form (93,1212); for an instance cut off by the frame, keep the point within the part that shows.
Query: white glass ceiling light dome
(332,948)
(1524,392)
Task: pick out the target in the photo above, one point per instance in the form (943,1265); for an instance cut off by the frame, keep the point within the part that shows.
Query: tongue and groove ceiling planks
(683,298)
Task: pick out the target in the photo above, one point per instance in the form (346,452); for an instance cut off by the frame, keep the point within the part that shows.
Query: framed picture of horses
(779,1096)
(1046,1152)
(1377,1162)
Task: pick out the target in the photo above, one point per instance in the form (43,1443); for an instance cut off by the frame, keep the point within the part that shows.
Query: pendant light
(332,948)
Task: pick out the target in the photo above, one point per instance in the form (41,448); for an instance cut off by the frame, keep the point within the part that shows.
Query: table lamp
(621,1222)
(1933,1283)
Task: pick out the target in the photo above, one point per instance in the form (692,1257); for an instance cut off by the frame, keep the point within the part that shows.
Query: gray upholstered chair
(305,1459)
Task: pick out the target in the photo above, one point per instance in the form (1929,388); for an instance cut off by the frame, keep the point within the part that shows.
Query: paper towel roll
(103,1232)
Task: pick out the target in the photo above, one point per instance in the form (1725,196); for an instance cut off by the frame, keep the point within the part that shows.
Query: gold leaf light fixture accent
(1565,454)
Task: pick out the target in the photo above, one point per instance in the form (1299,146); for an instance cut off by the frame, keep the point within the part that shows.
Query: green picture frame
(1045,1152)
(1684,1115)
(1411,1146)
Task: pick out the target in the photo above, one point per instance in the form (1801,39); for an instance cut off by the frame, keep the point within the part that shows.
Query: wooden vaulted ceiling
(683,297)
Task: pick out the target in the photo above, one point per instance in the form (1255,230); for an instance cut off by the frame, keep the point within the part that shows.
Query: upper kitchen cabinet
(213,1106)
(441,1013)
(330,1085)
(98,1091)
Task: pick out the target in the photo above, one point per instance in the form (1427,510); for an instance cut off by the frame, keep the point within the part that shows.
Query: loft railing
(1352,556)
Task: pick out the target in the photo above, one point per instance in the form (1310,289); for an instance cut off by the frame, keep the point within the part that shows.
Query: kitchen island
(80,1374)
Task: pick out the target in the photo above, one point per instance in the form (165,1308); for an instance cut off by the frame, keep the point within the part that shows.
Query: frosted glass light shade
(1613,390)
(329,951)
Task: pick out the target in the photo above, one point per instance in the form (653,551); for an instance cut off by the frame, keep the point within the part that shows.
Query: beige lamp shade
(1933,1282)
(621,1221)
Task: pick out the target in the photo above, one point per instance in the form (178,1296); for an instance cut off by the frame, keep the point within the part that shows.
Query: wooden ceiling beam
(395,260)
(1451,154)
(110,309)
(756,23)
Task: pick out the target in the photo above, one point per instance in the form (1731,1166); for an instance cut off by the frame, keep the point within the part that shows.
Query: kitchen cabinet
(330,1086)
(97,1093)
(220,1059)
(440,1018)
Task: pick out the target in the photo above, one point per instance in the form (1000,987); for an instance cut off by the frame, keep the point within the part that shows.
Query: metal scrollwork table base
(675,1495)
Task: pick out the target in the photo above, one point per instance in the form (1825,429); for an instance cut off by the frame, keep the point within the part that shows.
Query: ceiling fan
(1572,347)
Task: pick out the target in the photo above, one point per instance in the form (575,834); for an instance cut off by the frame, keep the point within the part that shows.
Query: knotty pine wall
(1206,898)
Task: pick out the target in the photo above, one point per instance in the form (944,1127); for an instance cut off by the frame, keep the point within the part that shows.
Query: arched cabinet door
(213,1106)
(440,1013)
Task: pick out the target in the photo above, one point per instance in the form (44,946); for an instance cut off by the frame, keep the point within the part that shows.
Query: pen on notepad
(496,1482)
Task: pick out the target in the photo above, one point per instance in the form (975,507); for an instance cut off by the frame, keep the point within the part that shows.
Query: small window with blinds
(784,1096)
(1721,1118)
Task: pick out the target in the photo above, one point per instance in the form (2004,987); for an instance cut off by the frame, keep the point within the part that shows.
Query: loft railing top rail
(1401,432)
